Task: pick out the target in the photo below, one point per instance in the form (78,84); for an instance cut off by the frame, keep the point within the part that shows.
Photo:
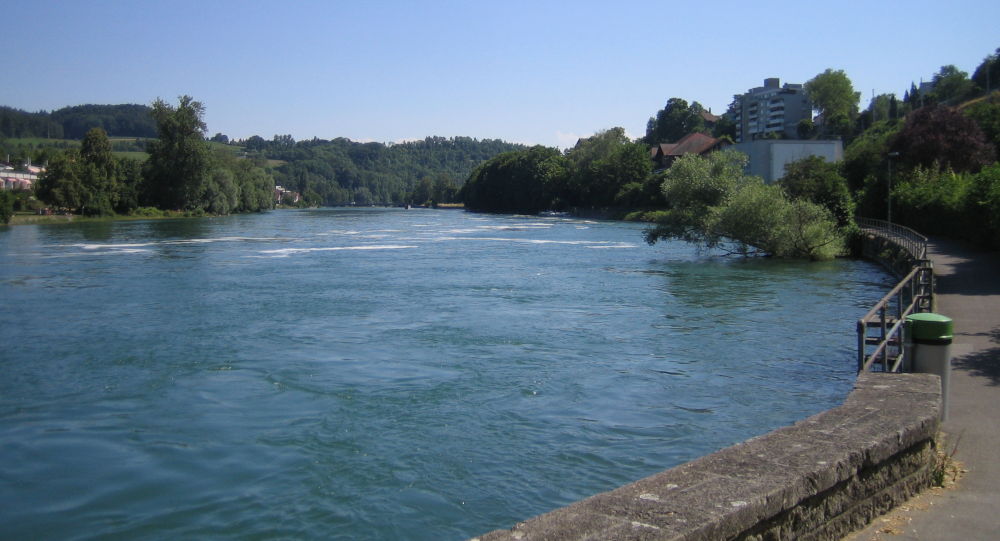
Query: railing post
(862,334)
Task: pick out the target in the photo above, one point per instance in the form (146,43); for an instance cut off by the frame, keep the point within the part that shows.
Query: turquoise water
(385,374)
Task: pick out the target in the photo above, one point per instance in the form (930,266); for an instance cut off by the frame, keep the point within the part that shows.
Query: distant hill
(342,171)
(127,120)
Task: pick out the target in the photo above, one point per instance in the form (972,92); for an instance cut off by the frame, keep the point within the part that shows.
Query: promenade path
(968,291)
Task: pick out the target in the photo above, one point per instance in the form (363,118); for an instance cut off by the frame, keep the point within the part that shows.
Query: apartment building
(771,109)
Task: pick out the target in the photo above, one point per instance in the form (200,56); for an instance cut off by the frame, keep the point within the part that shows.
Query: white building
(768,157)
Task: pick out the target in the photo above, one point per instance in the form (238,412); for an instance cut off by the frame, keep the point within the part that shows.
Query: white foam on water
(96,246)
(587,243)
(285,252)
(613,246)
(92,247)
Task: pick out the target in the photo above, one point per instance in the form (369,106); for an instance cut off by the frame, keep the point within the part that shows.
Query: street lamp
(888,194)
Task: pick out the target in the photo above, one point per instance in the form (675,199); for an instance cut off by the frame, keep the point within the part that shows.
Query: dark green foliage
(129,120)
(986,113)
(523,181)
(90,180)
(74,122)
(674,121)
(18,123)
(987,74)
(806,129)
(983,205)
(940,134)
(61,185)
(179,159)
(603,171)
(724,127)
(601,166)
(952,86)
(866,166)
(341,171)
(816,180)
(6,206)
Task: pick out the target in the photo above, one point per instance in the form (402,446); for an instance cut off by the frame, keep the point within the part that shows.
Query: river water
(384,373)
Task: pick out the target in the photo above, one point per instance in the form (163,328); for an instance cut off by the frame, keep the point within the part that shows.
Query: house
(664,154)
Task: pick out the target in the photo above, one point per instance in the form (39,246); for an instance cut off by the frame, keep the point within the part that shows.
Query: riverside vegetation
(938,148)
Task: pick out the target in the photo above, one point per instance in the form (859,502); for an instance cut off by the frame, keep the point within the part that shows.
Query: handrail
(910,240)
(911,295)
(914,293)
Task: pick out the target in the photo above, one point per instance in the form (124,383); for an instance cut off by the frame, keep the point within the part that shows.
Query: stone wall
(820,478)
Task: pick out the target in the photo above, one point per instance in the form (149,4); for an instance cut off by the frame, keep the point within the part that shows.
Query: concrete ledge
(820,478)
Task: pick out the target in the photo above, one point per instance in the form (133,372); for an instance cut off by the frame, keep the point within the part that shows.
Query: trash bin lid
(929,326)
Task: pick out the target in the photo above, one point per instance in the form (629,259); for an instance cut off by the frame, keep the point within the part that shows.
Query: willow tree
(713,202)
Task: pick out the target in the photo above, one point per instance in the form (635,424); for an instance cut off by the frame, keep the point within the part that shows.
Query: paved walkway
(968,291)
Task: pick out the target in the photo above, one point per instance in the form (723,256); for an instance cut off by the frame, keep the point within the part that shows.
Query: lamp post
(888,194)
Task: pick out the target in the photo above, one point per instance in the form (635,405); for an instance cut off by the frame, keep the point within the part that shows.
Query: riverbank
(28,218)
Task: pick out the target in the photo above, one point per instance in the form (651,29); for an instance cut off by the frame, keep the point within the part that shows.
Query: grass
(946,469)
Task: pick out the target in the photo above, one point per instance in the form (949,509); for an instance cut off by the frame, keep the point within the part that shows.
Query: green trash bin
(931,336)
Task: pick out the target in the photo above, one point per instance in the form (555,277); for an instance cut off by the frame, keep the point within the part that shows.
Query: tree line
(182,173)
(344,172)
(127,120)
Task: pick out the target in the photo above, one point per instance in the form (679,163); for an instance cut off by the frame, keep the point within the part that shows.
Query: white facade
(768,157)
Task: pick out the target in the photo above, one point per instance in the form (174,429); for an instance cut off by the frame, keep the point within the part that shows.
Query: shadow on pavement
(983,363)
(973,270)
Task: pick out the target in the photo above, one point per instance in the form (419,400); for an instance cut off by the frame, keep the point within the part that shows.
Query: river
(386,373)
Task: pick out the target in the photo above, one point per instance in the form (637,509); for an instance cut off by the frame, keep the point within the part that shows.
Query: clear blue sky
(524,71)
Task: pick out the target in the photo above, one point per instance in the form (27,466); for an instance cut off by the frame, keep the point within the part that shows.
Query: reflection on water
(374,373)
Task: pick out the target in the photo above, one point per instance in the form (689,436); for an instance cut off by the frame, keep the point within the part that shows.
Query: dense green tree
(983,204)
(724,127)
(423,192)
(986,113)
(523,181)
(445,189)
(951,85)
(6,206)
(987,74)
(178,161)
(61,184)
(98,174)
(932,200)
(833,95)
(601,166)
(713,202)
(674,121)
(816,180)
(940,134)
(129,175)
(806,128)
(866,155)
(329,172)
(127,120)
(18,123)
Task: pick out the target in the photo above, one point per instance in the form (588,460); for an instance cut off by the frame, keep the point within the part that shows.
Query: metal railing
(908,239)
(880,331)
